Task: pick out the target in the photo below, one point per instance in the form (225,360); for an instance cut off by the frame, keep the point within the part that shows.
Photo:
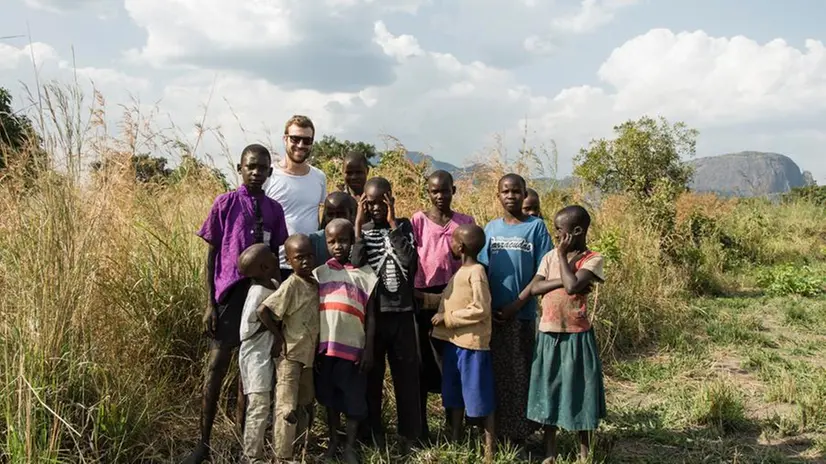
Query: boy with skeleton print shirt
(386,243)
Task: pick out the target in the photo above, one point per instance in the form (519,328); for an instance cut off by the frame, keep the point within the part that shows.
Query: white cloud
(108,78)
(104,9)
(442,102)
(588,17)
(538,46)
(325,45)
(12,57)
(116,86)
(401,47)
(176,28)
(591,15)
(716,80)
(708,82)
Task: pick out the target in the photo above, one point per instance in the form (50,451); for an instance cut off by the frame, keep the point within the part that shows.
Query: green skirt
(566,388)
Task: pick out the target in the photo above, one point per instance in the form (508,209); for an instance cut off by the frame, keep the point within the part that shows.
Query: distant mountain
(744,174)
(435,164)
(747,174)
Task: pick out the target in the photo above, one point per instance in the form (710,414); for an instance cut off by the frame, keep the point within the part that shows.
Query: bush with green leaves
(788,279)
(813,193)
(644,161)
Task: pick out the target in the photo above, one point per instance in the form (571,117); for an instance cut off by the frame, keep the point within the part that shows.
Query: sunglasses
(296,139)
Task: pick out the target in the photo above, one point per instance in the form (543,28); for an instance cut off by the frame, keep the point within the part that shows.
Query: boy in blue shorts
(464,321)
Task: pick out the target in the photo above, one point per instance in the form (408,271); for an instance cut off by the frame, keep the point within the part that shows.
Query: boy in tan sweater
(464,320)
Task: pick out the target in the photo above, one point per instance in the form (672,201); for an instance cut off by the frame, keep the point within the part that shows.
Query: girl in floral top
(566,388)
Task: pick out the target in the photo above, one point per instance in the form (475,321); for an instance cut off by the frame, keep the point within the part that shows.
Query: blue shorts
(467,381)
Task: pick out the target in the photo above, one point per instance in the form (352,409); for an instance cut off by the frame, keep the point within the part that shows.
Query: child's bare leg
(332,430)
(350,454)
(490,438)
(584,444)
(550,444)
(217,365)
(241,407)
(457,416)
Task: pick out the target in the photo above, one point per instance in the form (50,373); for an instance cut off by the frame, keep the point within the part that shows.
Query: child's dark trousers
(396,339)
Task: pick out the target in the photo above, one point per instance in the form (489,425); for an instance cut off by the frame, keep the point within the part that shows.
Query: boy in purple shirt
(237,220)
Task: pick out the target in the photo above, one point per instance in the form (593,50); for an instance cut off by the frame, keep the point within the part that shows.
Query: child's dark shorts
(339,385)
(227,334)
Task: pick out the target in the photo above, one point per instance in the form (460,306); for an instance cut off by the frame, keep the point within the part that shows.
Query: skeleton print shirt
(392,255)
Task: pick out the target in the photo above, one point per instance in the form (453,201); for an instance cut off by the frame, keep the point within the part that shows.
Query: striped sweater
(344,292)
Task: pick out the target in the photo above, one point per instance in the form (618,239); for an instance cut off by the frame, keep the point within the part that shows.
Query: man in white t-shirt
(299,188)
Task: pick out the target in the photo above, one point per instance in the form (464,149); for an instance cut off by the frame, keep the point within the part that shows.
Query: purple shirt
(230,228)
(436,265)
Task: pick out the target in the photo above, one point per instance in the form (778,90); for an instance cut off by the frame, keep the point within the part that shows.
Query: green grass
(756,393)
(101,356)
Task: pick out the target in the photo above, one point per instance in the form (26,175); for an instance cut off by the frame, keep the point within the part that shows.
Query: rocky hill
(435,164)
(747,174)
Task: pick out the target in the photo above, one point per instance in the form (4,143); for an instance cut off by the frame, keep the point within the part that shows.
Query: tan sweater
(465,304)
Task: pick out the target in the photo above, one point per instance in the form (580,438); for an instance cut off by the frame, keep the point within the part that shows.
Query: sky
(450,78)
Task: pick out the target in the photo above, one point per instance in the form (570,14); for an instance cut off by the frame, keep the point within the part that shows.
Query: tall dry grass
(102,287)
(101,277)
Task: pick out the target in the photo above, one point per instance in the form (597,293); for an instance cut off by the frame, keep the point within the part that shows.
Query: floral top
(561,312)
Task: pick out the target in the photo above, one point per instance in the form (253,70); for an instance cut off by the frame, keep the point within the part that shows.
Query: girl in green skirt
(566,387)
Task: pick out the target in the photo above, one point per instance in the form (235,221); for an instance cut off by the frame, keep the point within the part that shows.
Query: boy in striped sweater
(345,340)
(386,243)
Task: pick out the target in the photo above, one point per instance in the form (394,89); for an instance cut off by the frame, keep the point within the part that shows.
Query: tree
(645,157)
(644,161)
(330,148)
(16,132)
(147,168)
(329,152)
(815,194)
(190,165)
(153,169)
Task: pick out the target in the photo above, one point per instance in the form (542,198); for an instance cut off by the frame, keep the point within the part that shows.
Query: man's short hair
(300,121)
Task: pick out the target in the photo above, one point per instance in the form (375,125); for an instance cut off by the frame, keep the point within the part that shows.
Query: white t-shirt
(254,360)
(300,196)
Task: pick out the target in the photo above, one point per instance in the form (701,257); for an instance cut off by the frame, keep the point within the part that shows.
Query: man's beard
(298,157)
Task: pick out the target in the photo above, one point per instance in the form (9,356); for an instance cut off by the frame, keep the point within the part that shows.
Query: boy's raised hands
(391,209)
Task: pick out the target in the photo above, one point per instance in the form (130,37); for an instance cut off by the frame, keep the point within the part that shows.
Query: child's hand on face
(391,209)
(438,319)
(565,244)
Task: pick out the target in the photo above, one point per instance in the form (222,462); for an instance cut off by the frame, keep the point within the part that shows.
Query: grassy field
(711,329)
(745,383)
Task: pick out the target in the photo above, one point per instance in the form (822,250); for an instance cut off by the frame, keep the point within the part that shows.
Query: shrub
(815,194)
(789,279)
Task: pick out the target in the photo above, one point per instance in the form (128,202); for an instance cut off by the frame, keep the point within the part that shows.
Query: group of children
(449,306)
